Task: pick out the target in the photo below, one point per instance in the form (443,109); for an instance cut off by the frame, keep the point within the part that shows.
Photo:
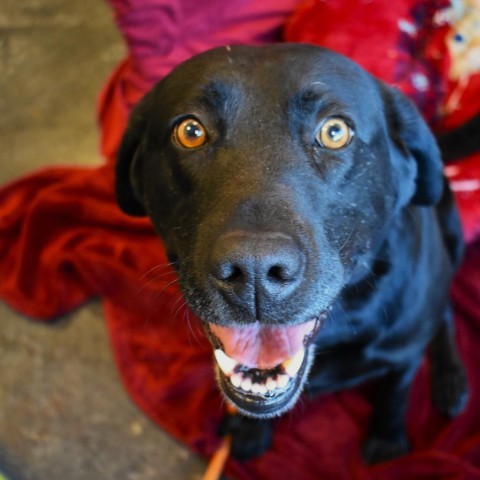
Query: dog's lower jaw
(273,403)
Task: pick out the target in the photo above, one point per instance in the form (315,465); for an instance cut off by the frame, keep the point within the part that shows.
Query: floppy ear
(127,180)
(413,136)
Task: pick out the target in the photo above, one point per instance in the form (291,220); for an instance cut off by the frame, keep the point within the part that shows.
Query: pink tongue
(261,346)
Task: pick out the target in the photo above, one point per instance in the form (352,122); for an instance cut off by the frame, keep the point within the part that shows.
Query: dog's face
(272,175)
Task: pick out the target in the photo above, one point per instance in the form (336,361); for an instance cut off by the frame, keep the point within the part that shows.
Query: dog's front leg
(449,380)
(387,437)
(250,437)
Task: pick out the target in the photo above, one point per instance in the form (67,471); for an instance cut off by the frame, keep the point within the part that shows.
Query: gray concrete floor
(64,414)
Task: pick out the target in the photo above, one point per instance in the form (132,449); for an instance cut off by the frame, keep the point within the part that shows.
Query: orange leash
(219,458)
(217,462)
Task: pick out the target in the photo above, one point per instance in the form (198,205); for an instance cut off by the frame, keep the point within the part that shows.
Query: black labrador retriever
(303,204)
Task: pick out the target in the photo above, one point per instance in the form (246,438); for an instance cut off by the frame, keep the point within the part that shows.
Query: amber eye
(190,133)
(335,133)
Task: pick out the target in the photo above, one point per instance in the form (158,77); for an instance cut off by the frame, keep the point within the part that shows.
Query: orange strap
(217,462)
(219,458)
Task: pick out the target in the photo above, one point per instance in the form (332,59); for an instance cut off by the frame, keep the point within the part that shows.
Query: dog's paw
(450,390)
(250,438)
(377,449)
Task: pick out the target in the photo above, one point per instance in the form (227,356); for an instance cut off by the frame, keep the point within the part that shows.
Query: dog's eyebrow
(309,98)
(316,99)
(218,96)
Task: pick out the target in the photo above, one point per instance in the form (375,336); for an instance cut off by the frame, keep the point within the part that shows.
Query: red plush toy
(429,49)
(401,42)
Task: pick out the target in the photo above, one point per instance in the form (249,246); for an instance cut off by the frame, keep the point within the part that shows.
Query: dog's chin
(261,370)
(264,402)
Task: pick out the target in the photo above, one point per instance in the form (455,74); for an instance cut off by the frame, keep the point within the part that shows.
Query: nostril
(277,274)
(229,273)
(236,273)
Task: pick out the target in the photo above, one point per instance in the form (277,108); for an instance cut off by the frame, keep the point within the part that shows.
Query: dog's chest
(360,344)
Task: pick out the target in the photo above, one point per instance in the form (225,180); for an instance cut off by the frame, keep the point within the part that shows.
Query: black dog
(304,206)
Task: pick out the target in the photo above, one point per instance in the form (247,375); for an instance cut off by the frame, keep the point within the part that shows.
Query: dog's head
(273,175)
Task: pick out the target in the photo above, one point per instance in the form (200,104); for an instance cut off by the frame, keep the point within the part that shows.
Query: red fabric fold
(64,240)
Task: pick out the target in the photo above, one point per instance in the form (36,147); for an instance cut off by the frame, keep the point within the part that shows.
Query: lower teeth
(243,381)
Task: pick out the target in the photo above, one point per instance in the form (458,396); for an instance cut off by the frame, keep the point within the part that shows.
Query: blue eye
(458,37)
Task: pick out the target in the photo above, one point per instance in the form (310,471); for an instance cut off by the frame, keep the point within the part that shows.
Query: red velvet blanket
(63,240)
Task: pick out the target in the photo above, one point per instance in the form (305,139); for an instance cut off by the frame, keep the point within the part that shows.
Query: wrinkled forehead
(272,76)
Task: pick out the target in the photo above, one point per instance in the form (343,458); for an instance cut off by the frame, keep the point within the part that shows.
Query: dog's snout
(253,270)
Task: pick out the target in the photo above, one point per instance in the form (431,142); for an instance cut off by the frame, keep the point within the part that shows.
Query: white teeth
(226,364)
(282,381)
(246,385)
(236,379)
(243,382)
(292,365)
(271,384)
(259,389)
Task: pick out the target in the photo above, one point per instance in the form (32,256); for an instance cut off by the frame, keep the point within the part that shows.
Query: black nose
(253,270)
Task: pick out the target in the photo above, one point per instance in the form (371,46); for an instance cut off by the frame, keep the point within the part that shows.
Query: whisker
(174,311)
(168,285)
(348,237)
(186,321)
(157,298)
(162,275)
(191,329)
(349,320)
(162,265)
(153,280)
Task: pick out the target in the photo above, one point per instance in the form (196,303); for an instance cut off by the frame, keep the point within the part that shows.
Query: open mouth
(261,369)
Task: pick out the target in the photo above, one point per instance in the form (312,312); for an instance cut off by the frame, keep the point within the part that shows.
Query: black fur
(367,233)
(460,142)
